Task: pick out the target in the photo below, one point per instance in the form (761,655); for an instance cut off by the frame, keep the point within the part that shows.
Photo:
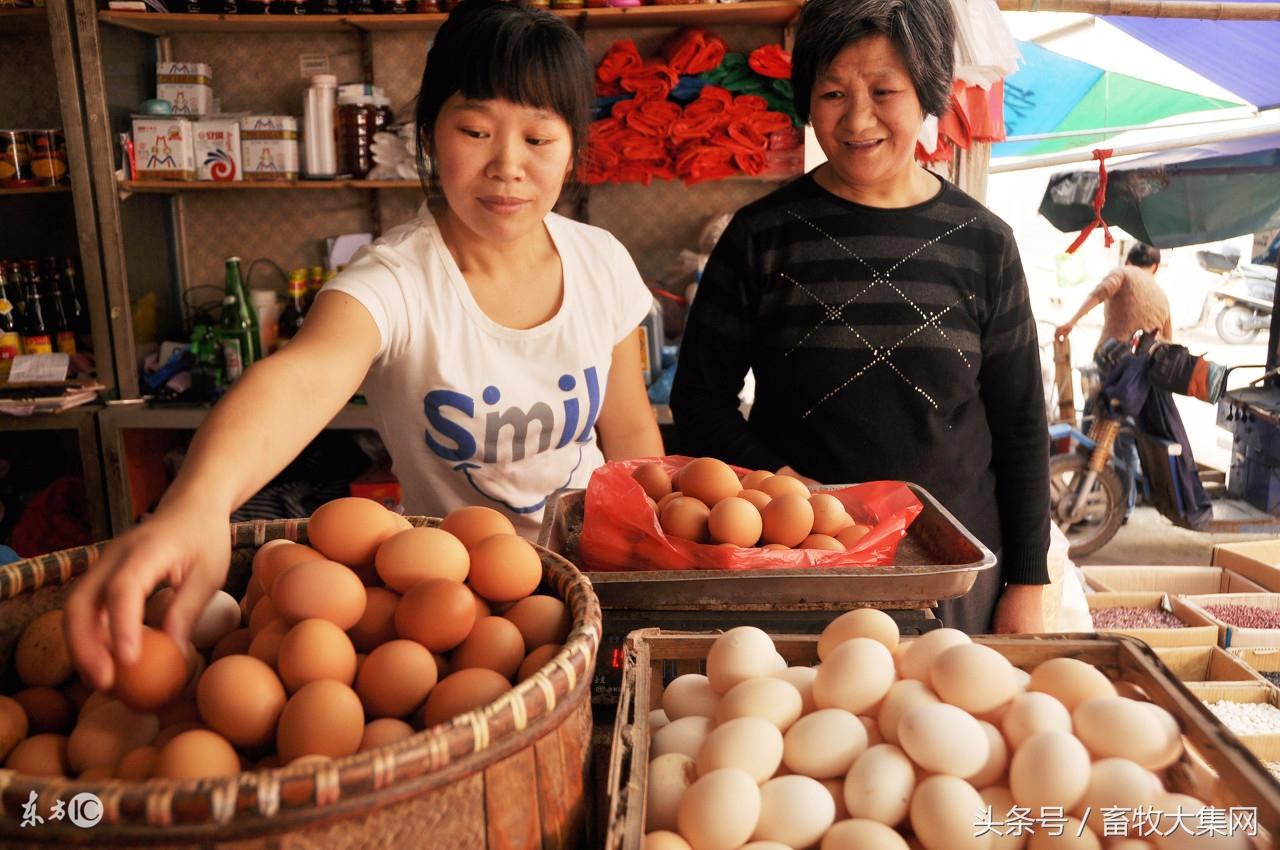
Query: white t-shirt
(475,413)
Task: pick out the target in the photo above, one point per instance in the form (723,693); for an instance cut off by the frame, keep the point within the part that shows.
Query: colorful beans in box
(1242,619)
(453,724)
(1158,619)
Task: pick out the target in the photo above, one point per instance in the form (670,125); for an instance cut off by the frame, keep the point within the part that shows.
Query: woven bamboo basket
(509,775)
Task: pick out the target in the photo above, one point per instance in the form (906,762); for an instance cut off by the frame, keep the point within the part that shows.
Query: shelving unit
(33,190)
(256,63)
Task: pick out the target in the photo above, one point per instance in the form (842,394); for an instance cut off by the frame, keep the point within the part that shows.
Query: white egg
(795,811)
(943,739)
(824,744)
(855,676)
(689,695)
(720,810)
(750,744)
(669,777)
(681,736)
(741,653)
(879,785)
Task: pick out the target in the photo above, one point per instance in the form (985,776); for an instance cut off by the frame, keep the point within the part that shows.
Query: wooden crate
(1200,631)
(1265,747)
(1202,664)
(1217,768)
(508,775)
(1178,580)
(1235,636)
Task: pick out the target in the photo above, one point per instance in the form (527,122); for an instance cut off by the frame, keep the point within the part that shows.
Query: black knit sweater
(886,344)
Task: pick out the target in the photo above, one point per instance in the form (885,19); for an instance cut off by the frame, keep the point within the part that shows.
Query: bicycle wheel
(1103,509)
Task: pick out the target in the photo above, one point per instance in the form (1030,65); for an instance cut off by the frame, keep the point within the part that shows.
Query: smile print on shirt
(482,439)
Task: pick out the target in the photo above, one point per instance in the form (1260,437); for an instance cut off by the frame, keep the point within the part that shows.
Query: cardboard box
(1207,664)
(1265,747)
(1235,636)
(1259,659)
(187,85)
(1178,580)
(269,147)
(1258,561)
(217,144)
(1200,631)
(163,148)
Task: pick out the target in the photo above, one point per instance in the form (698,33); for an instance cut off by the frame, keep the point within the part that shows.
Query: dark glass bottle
(10,339)
(238,328)
(36,337)
(296,309)
(73,304)
(64,335)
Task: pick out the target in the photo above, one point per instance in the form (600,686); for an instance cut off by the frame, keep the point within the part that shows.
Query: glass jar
(48,156)
(357,122)
(15,158)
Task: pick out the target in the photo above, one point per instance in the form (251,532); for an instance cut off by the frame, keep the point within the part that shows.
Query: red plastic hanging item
(693,51)
(771,61)
(1099,200)
(621,532)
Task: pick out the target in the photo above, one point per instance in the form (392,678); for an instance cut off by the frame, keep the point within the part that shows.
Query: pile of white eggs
(892,744)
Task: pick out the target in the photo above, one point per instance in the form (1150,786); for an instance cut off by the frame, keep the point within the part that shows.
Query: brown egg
(788,519)
(168,733)
(418,554)
(734,521)
(475,523)
(315,649)
(536,660)
(350,530)
(95,700)
(662,503)
(378,622)
(709,480)
(261,573)
(829,514)
(438,614)
(461,692)
(40,755)
(46,709)
(395,679)
(482,606)
(253,593)
(494,644)
(323,589)
(263,614)
(235,643)
(400,521)
(157,677)
(541,620)
(443,667)
(756,498)
(775,547)
(653,479)
(106,733)
(383,731)
(686,518)
(505,568)
(821,541)
(850,536)
(323,718)
(136,765)
(753,480)
(266,646)
(42,656)
(196,754)
(13,724)
(282,558)
(783,485)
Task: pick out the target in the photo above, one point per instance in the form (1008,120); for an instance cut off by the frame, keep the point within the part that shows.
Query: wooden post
(1063,379)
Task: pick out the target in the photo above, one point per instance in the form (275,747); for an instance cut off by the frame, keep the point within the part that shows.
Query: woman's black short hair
(1143,256)
(924,31)
(497,49)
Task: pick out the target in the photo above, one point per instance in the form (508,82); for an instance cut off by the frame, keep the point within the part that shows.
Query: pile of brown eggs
(708,503)
(374,630)
(934,742)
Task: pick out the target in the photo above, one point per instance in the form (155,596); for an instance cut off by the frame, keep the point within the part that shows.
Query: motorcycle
(1247,293)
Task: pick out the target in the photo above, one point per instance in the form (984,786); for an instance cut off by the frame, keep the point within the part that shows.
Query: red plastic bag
(621,532)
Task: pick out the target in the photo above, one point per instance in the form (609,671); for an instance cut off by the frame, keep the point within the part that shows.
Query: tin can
(15,159)
(48,156)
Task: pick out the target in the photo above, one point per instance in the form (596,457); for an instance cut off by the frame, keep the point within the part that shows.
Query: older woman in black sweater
(884,311)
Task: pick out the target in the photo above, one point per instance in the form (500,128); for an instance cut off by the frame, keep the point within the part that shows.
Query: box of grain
(1263,660)
(163,148)
(1258,561)
(1194,629)
(186,85)
(1263,744)
(217,142)
(269,146)
(1242,619)
(1178,580)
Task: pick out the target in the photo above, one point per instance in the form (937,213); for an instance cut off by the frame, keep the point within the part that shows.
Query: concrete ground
(1148,538)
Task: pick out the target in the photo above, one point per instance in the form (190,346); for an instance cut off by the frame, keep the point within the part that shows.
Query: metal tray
(938,559)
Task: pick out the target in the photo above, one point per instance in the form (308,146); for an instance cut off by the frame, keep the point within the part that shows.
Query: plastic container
(267,305)
(320,152)
(357,122)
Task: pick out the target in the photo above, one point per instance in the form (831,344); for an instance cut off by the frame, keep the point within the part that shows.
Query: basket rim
(260,801)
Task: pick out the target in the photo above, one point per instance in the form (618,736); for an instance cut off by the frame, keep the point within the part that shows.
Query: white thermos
(320,145)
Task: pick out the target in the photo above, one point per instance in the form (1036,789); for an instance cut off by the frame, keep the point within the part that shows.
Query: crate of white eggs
(935,742)
(681,533)
(370,672)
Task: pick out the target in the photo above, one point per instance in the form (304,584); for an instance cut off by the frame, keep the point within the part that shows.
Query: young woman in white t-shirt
(496,341)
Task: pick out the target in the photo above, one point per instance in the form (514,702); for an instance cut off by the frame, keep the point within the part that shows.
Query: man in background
(1132,300)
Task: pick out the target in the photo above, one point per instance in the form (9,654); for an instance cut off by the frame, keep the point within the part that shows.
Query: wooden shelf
(173,187)
(34,190)
(24,20)
(750,12)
